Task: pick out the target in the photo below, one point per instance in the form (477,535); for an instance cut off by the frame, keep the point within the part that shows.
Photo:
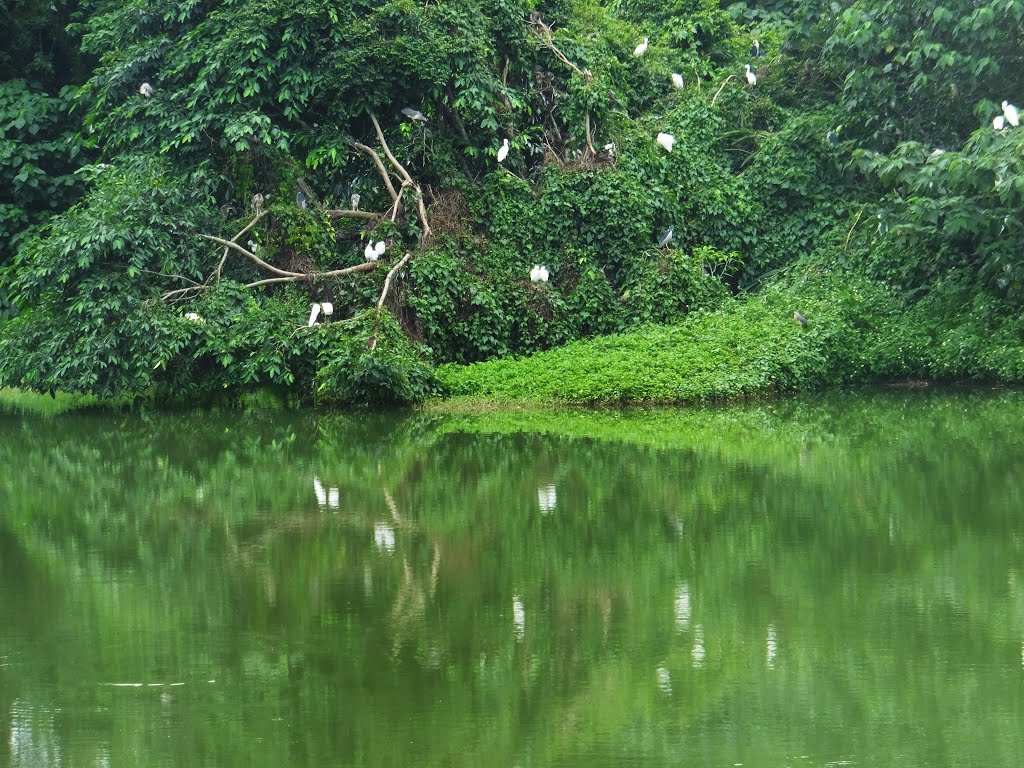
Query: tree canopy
(185,179)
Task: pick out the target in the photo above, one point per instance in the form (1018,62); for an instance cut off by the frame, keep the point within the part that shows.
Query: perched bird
(641,49)
(936,152)
(379,248)
(751,77)
(832,137)
(677,81)
(539,274)
(666,140)
(227,210)
(370,253)
(253,246)
(301,200)
(998,122)
(503,151)
(314,313)
(194,317)
(800,319)
(756,51)
(327,307)
(1010,113)
(414,114)
(257,202)
(610,148)
(146,90)
(665,238)
(355,201)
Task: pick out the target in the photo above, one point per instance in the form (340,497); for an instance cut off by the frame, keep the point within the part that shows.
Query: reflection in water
(772,647)
(33,740)
(698,653)
(384,536)
(151,550)
(547,498)
(326,498)
(683,606)
(664,681)
(518,617)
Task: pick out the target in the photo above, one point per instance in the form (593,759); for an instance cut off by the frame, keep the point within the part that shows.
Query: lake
(823,581)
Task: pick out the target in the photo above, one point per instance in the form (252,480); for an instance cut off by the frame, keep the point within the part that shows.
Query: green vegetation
(181,186)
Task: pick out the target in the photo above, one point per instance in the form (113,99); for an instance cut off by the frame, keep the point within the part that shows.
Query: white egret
(1010,113)
(539,274)
(666,140)
(641,49)
(370,253)
(379,249)
(327,307)
(751,77)
(610,148)
(355,202)
(677,81)
(936,152)
(194,317)
(146,90)
(998,122)
(414,114)
(253,246)
(503,151)
(665,238)
(314,313)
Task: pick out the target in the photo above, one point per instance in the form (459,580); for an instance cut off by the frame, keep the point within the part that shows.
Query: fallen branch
(372,344)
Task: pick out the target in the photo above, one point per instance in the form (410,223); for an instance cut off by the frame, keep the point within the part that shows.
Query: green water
(805,583)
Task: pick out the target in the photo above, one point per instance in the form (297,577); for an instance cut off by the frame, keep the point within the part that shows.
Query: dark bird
(756,51)
(301,200)
(800,319)
(833,137)
(415,115)
(666,236)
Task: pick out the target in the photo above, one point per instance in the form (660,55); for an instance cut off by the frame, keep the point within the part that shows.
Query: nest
(449,213)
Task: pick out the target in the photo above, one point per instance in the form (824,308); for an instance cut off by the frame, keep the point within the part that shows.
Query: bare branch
(420,207)
(383,295)
(345,213)
(236,247)
(164,274)
(380,167)
(310,276)
(730,77)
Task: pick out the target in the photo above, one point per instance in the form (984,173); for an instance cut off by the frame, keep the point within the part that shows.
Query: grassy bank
(22,401)
(857,333)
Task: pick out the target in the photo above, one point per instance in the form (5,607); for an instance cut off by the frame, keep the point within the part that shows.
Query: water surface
(813,582)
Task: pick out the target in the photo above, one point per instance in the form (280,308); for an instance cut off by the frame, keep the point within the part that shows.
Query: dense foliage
(237,159)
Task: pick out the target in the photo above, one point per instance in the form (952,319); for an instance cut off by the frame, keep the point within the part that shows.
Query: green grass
(750,348)
(22,401)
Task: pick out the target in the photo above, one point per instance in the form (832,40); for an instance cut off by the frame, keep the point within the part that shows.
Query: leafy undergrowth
(22,401)
(753,346)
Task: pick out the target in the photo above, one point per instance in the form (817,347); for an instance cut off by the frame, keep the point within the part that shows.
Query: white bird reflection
(772,646)
(518,617)
(683,609)
(33,738)
(664,681)
(326,498)
(547,498)
(384,537)
(698,653)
